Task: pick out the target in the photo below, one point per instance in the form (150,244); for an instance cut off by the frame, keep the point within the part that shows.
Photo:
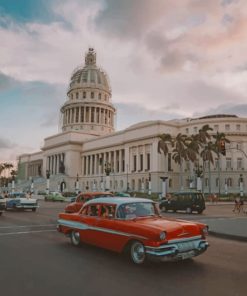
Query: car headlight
(205,231)
(162,235)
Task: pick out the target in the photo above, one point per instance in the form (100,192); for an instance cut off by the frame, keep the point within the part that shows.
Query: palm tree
(203,134)
(163,144)
(179,153)
(7,167)
(1,168)
(219,137)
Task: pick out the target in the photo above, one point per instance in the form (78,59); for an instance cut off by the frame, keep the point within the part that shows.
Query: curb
(228,236)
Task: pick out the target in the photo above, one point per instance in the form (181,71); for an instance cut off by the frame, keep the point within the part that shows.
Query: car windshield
(136,209)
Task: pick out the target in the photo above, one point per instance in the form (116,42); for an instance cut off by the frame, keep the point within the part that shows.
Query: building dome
(88,107)
(89,76)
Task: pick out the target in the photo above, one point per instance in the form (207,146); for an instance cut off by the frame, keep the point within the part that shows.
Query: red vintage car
(134,226)
(81,198)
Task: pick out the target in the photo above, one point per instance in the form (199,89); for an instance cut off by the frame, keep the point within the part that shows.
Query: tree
(180,154)
(163,144)
(207,155)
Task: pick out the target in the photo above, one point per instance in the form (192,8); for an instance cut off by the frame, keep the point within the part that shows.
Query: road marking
(26,232)
(29,225)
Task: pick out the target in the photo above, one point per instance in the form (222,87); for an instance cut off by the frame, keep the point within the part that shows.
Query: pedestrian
(236,205)
(241,206)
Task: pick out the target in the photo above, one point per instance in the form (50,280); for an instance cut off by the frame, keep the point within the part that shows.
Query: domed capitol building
(88,147)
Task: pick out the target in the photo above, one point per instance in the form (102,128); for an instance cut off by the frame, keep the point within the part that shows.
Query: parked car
(81,198)
(184,201)
(18,201)
(54,196)
(134,226)
(2,204)
(122,194)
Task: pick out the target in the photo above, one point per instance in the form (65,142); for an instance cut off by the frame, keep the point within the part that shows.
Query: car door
(87,218)
(109,232)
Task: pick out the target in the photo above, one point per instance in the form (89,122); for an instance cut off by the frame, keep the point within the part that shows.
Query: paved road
(36,260)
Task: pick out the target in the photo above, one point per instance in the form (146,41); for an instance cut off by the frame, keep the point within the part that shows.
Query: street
(37,260)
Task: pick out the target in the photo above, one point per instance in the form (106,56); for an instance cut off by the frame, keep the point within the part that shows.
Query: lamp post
(149,184)
(31,189)
(77,184)
(241,185)
(164,189)
(142,186)
(94,186)
(127,176)
(47,181)
(107,179)
(13,184)
(199,174)
(101,184)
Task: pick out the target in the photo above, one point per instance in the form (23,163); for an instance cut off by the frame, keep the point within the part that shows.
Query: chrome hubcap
(75,236)
(138,252)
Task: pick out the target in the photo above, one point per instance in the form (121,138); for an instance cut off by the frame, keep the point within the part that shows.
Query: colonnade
(54,161)
(88,114)
(131,159)
(95,164)
(35,169)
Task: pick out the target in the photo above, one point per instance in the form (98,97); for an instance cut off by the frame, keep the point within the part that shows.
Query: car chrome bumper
(26,206)
(179,250)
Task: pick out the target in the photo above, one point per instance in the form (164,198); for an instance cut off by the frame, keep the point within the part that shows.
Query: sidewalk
(230,225)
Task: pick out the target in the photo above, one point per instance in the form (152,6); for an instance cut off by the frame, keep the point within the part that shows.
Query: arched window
(84,95)
(99,96)
(92,95)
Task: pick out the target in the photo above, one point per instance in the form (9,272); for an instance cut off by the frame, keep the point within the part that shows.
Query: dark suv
(184,201)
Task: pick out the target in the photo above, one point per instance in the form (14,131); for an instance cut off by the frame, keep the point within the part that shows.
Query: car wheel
(188,210)
(137,253)
(1,213)
(34,209)
(199,211)
(75,238)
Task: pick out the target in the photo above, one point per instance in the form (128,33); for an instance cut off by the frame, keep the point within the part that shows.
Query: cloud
(165,59)
(5,144)
(240,110)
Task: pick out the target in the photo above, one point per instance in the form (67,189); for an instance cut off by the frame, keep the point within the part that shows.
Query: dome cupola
(88,107)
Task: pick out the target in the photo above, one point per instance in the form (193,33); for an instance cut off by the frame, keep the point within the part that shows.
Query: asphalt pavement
(231,225)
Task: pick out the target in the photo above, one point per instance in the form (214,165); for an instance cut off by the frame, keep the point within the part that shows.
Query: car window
(134,210)
(93,210)
(107,211)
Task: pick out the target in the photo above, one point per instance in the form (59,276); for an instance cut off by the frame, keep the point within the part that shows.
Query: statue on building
(61,167)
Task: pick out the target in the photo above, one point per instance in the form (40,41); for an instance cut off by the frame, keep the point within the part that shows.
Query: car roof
(95,193)
(117,200)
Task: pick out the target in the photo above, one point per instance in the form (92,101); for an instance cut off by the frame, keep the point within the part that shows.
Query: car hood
(27,200)
(173,228)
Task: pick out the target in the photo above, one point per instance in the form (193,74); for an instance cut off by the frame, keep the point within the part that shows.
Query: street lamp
(241,187)
(107,179)
(77,184)
(31,189)
(13,183)
(47,181)
(127,177)
(199,175)
(149,184)
(164,190)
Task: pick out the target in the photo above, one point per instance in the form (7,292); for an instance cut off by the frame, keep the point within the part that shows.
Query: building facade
(88,142)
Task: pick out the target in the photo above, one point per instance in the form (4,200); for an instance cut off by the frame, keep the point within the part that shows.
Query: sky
(166,59)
